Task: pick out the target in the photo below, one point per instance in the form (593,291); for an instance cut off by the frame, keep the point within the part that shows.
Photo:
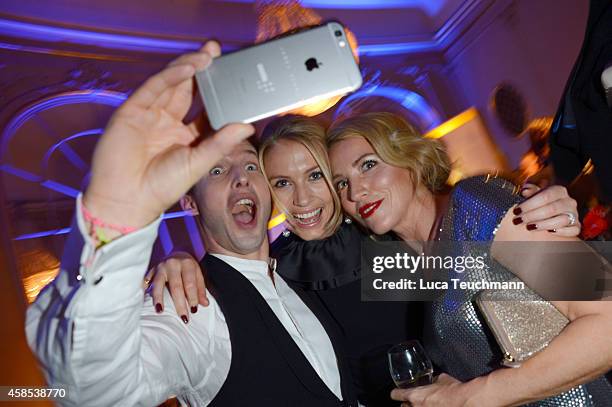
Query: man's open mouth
(244,212)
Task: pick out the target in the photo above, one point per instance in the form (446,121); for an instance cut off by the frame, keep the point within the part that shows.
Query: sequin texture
(456,338)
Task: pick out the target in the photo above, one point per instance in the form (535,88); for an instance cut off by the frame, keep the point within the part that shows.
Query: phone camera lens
(338,33)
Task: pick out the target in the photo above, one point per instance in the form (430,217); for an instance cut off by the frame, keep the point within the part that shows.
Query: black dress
(582,128)
(330,270)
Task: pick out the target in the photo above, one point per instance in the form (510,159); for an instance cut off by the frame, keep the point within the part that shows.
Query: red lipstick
(368,210)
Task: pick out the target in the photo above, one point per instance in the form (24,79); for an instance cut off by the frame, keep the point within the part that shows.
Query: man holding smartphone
(258,341)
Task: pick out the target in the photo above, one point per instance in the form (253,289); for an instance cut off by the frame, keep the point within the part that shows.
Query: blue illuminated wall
(12,130)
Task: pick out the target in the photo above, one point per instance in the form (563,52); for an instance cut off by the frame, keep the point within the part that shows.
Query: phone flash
(342,43)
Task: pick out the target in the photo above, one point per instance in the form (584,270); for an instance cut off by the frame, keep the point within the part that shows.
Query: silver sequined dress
(455,337)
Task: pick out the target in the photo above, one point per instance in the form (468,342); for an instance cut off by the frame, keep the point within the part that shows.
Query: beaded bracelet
(97,226)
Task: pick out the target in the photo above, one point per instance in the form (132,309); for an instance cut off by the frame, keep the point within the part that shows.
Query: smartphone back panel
(278,76)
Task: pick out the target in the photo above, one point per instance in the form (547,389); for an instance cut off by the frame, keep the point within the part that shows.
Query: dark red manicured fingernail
(517,211)
(194,309)
(158,308)
(517,221)
(553,231)
(532,226)
(184,318)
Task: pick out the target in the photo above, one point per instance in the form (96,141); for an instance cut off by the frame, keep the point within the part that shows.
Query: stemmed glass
(409,365)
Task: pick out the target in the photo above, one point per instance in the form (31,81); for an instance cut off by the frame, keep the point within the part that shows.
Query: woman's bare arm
(580,353)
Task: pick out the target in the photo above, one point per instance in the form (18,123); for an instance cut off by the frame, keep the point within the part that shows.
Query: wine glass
(409,365)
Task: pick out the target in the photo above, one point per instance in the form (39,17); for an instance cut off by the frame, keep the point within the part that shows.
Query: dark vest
(267,367)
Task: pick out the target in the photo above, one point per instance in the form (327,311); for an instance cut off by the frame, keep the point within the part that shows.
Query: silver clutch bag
(522,322)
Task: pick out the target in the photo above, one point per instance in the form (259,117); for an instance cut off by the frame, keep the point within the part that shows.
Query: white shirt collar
(244,265)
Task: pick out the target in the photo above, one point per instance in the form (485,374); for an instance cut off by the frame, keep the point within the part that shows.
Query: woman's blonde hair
(397,143)
(311,135)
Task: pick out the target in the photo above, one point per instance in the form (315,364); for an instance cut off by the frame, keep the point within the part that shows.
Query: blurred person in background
(582,127)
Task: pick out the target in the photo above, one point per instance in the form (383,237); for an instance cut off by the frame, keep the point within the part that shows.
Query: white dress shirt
(107,347)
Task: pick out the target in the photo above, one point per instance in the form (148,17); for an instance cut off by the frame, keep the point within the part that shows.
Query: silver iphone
(278,76)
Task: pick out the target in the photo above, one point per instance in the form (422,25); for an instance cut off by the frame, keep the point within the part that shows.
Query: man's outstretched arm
(88,334)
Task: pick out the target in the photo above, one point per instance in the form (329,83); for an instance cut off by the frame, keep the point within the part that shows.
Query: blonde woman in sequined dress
(390,179)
